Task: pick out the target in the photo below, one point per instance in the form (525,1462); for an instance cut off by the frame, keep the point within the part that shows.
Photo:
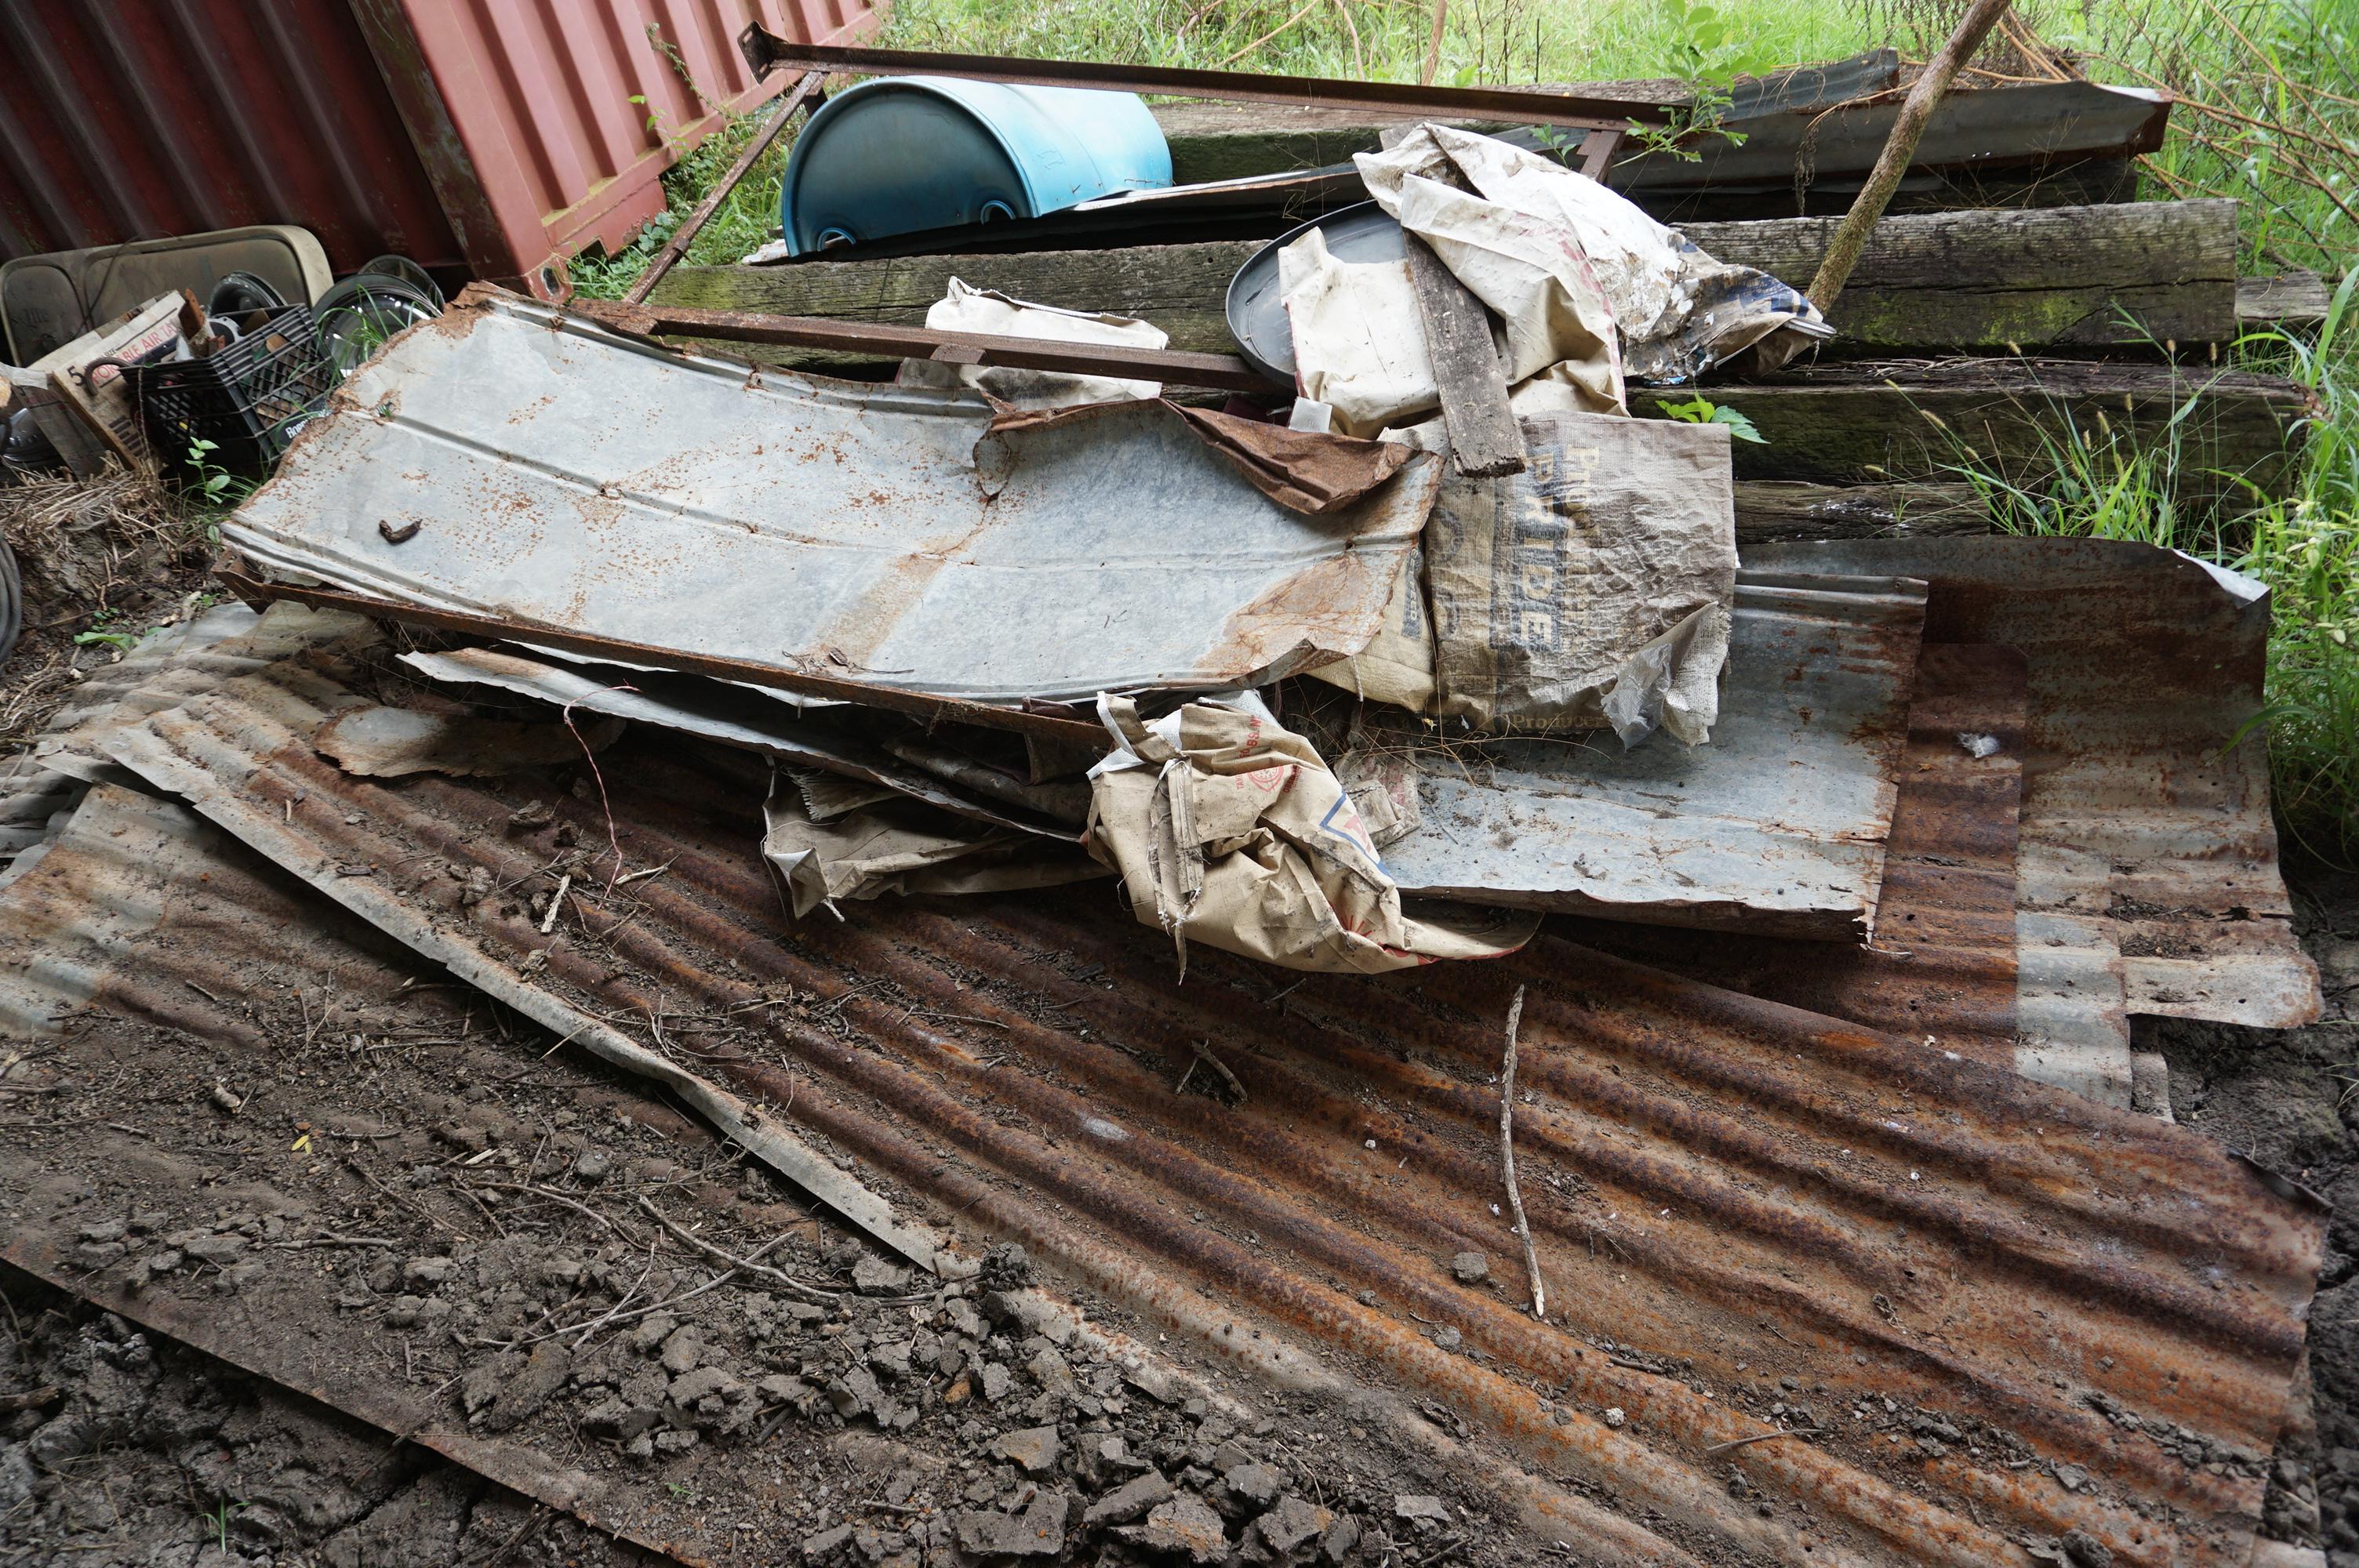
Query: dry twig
(1507,1155)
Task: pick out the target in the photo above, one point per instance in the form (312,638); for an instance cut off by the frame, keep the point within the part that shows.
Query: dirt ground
(2290,1100)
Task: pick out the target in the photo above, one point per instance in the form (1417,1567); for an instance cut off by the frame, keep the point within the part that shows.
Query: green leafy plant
(212,480)
(1703,410)
(103,632)
(1706,50)
(216,1523)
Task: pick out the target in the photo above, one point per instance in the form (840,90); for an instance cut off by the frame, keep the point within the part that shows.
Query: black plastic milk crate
(247,400)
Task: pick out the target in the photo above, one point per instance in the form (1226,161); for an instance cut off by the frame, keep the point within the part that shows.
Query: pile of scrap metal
(1833,873)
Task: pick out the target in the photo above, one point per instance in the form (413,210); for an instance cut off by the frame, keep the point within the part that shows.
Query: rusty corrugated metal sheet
(497,138)
(882,535)
(1990,1312)
(2146,839)
(535,116)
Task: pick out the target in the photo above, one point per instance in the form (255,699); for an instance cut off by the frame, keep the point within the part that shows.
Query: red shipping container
(496,137)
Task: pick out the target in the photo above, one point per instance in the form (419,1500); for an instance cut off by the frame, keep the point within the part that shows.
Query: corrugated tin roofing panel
(1980,1312)
(882,534)
(2147,837)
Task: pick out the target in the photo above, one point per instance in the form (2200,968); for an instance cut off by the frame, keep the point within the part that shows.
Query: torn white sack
(898,848)
(1590,591)
(1229,830)
(1679,311)
(966,309)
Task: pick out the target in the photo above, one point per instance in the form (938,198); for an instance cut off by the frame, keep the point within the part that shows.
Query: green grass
(2270,116)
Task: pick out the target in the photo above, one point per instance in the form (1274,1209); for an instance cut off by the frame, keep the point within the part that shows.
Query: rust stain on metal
(2004,1312)
(2145,830)
(1942,966)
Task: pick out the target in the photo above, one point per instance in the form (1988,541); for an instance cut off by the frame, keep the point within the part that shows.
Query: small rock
(1185,1528)
(1038,1531)
(1152,1381)
(854,1392)
(675,1441)
(2086,1551)
(1129,1500)
(1037,1449)
(593,1165)
(1342,1539)
(827,1545)
(219,1251)
(163,1261)
(92,1256)
(1471,1268)
(652,1331)
(705,1382)
(873,1276)
(891,1359)
(1293,1521)
(1421,1510)
(1448,1338)
(680,1351)
(103,1231)
(1614,1417)
(1256,1485)
(427,1271)
(996,1380)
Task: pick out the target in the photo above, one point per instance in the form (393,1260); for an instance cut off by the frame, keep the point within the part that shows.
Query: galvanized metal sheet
(733,716)
(1942,968)
(2146,839)
(1777,826)
(1822,1294)
(562,477)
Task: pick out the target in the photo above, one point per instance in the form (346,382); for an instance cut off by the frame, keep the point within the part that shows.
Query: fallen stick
(1508,1156)
(1899,149)
(1204,1054)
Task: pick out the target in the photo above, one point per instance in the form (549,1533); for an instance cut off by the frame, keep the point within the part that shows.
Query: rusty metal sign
(1820,1293)
(512,461)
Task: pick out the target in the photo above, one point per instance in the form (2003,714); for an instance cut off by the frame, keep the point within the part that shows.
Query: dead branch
(1507,1155)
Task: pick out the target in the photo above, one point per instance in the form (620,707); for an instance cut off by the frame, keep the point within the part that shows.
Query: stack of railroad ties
(1862,852)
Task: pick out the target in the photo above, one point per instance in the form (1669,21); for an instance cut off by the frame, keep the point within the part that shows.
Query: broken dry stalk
(1899,148)
(1507,1155)
(1204,1054)
(778,1277)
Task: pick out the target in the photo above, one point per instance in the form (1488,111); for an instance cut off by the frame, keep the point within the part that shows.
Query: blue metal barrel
(897,154)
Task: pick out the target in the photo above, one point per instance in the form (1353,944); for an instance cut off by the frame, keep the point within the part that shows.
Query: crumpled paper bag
(1592,590)
(901,848)
(1229,830)
(1679,311)
(966,309)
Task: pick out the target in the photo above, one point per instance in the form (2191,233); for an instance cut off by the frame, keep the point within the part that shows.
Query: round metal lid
(1257,310)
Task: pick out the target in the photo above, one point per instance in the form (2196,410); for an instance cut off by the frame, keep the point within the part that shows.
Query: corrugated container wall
(492,137)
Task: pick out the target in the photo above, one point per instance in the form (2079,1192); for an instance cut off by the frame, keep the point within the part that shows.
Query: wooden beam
(2031,145)
(880,340)
(1793,509)
(1998,280)
(2163,272)
(2300,297)
(1484,440)
(1875,423)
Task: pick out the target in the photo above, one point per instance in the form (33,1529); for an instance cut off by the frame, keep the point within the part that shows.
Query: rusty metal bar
(764,140)
(883,339)
(403,1416)
(915,704)
(765,51)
